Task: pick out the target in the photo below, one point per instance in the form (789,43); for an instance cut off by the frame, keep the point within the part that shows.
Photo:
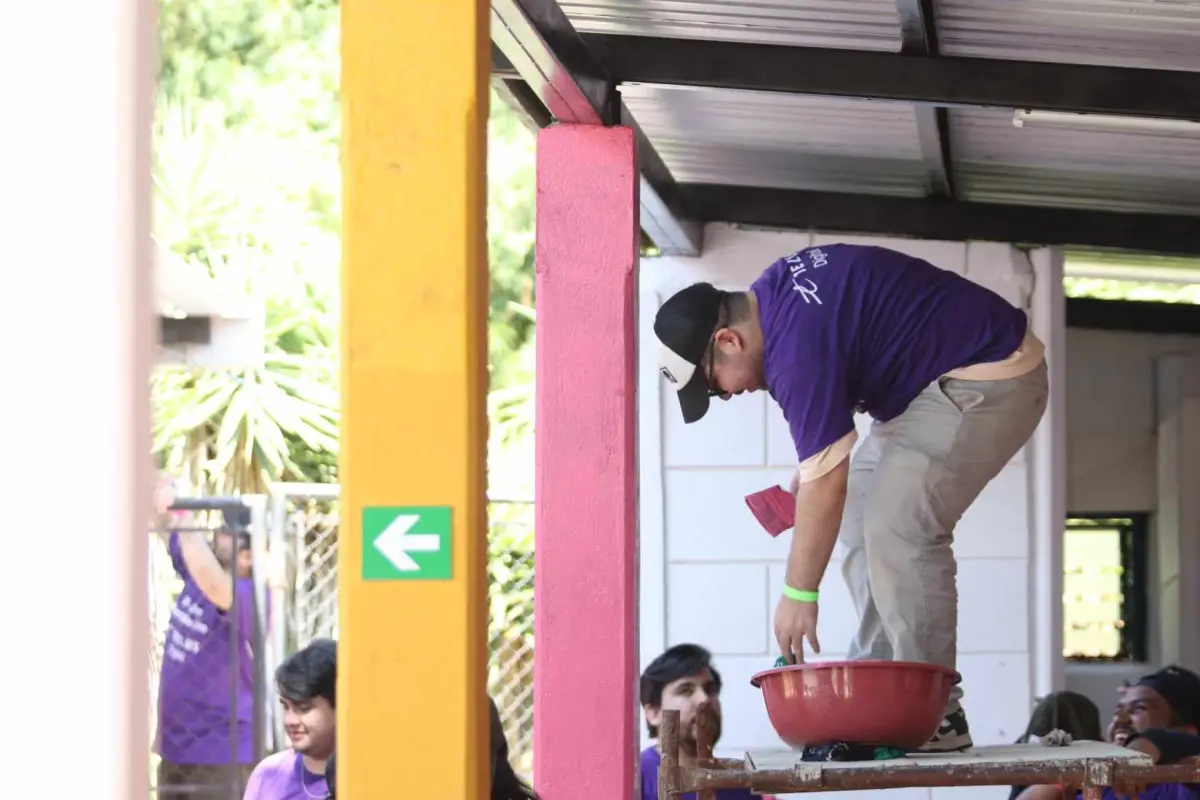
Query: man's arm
(819,506)
(206,571)
(199,560)
(1164,746)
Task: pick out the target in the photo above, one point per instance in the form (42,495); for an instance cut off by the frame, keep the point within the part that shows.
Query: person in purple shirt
(956,383)
(213,615)
(306,683)
(682,679)
(1158,716)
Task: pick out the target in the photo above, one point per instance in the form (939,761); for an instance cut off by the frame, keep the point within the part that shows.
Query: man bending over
(956,382)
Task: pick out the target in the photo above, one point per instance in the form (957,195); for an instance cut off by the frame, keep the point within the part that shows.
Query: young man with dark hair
(306,684)
(957,383)
(1159,716)
(682,679)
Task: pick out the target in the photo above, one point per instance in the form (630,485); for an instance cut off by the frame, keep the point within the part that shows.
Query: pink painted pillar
(585,595)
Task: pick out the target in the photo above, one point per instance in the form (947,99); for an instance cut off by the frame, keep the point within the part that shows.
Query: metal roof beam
(932,218)
(918,32)
(918,36)
(538,43)
(937,80)
(522,100)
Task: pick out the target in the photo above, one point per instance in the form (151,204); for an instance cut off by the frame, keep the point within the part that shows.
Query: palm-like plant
(236,431)
(225,200)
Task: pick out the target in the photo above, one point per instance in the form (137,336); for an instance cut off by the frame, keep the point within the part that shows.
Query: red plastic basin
(896,703)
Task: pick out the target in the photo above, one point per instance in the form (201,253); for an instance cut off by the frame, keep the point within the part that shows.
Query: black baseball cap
(1180,688)
(685,325)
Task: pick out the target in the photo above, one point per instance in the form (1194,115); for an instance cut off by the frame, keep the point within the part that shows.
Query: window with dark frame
(1104,587)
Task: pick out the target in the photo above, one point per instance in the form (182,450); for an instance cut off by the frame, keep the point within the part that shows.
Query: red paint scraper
(774,508)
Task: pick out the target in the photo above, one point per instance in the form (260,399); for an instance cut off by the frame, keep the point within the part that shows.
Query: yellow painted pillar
(412,714)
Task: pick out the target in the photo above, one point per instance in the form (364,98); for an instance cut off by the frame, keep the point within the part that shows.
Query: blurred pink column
(78,338)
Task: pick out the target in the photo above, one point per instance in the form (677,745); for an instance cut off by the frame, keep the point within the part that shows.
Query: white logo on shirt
(799,263)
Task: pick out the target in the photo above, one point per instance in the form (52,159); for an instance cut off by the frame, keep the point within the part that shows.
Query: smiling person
(1157,716)
(956,383)
(305,682)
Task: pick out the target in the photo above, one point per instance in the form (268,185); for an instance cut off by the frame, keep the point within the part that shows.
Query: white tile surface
(725,607)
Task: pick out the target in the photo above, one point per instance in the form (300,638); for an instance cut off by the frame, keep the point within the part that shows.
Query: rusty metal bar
(1084,772)
(705,738)
(668,768)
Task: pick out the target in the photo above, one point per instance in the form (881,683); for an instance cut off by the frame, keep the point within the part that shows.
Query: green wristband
(799,595)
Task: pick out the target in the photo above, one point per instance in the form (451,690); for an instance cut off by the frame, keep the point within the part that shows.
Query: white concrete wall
(710,575)
(1111,421)
(1113,435)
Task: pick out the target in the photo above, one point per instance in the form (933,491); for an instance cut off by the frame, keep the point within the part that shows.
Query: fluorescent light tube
(1104,123)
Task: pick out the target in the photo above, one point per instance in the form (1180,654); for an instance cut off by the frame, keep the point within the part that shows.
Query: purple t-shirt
(1158,791)
(283,776)
(194,694)
(651,759)
(849,327)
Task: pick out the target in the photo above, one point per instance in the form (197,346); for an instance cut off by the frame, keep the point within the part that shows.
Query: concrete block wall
(1112,426)
(1116,464)
(710,575)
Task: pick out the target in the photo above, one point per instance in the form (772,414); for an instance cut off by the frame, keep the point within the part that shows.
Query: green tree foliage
(1106,289)
(273,60)
(1183,271)
(247,188)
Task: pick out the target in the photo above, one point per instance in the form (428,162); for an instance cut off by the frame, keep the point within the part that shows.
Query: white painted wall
(1114,431)
(710,575)
(1111,421)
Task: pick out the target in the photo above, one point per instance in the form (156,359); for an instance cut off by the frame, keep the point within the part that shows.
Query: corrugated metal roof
(1137,33)
(997,162)
(791,141)
(856,24)
(781,141)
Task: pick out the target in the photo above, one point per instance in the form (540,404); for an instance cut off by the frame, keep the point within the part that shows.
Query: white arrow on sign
(396,542)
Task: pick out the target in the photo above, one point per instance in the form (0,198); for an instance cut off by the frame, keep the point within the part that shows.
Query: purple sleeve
(176,552)
(245,607)
(649,771)
(254,786)
(816,402)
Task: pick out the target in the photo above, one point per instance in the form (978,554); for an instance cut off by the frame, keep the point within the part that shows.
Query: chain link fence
(510,624)
(304,529)
(204,663)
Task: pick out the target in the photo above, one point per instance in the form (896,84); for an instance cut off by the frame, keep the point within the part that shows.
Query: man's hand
(794,622)
(164,494)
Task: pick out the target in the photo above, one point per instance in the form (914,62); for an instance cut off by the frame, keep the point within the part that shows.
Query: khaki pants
(910,482)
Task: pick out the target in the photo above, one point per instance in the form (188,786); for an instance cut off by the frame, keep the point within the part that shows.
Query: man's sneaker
(953,736)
